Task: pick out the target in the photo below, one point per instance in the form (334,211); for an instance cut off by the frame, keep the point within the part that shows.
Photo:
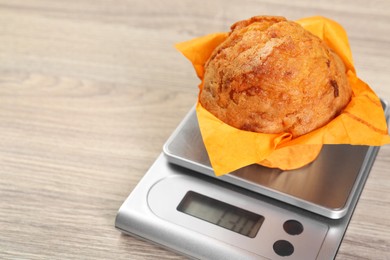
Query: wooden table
(90,91)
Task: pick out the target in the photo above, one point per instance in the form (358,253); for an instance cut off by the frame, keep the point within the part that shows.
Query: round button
(283,248)
(293,227)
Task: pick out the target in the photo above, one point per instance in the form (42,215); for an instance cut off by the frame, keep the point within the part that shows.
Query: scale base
(146,214)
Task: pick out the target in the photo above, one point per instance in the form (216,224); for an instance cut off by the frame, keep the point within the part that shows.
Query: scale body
(252,213)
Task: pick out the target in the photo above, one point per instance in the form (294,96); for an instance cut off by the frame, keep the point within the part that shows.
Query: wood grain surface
(90,91)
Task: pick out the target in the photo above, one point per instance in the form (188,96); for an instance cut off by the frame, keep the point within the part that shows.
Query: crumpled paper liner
(362,122)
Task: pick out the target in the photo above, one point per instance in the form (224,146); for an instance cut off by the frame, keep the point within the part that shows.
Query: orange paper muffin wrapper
(362,122)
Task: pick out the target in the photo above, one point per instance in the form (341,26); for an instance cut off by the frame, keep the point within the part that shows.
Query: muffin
(272,76)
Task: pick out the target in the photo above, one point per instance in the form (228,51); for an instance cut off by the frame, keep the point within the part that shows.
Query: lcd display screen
(220,213)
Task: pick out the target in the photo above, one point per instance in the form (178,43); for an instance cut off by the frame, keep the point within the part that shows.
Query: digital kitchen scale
(252,213)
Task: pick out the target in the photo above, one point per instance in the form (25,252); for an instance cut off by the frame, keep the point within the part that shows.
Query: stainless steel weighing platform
(252,213)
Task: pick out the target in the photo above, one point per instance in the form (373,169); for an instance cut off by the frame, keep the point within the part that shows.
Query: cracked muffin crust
(272,76)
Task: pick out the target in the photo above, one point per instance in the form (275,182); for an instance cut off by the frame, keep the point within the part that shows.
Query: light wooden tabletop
(90,91)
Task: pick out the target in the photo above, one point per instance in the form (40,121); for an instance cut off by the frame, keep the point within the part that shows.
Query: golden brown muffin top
(271,76)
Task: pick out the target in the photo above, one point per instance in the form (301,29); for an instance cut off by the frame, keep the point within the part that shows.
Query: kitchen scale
(252,213)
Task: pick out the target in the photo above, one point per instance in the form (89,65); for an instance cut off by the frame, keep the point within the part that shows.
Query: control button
(283,248)
(293,227)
